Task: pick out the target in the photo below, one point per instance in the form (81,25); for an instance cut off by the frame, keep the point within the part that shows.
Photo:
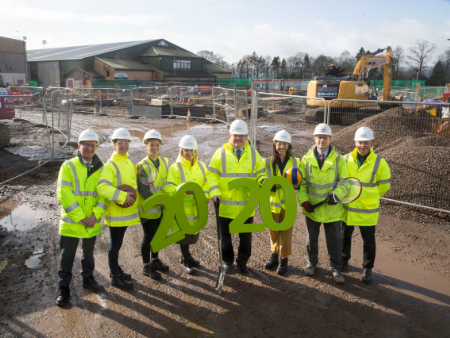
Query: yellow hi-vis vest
(77,194)
(318,183)
(156,187)
(277,196)
(119,170)
(224,168)
(375,177)
(182,171)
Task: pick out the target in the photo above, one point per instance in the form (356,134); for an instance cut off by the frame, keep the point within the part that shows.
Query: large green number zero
(161,240)
(202,208)
(237,225)
(290,204)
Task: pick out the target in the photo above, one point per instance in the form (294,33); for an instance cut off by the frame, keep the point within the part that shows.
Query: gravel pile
(419,161)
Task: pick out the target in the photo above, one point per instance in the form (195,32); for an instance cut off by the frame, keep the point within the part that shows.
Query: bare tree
(445,60)
(215,58)
(398,57)
(347,62)
(420,54)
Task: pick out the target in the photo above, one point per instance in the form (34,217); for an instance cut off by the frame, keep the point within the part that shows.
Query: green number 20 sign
(258,195)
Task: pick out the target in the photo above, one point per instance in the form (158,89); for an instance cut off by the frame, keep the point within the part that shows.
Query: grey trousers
(334,243)
(68,247)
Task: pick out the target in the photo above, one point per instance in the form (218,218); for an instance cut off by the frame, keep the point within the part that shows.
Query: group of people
(88,190)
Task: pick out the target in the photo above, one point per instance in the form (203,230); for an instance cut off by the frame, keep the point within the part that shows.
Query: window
(181,64)
(107,73)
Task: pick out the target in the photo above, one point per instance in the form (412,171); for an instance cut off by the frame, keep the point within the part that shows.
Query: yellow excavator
(355,87)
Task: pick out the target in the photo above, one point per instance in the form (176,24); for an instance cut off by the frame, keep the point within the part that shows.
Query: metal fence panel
(413,137)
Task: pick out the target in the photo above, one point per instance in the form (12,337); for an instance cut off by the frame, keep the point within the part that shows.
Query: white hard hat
(238,127)
(322,129)
(188,142)
(152,134)
(88,135)
(121,133)
(282,136)
(364,134)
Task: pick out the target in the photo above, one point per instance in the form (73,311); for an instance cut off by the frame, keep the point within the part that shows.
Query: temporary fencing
(411,136)
(40,132)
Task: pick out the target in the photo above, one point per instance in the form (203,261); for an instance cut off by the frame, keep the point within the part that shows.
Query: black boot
(63,295)
(367,276)
(272,262)
(187,265)
(120,282)
(124,275)
(195,263)
(91,284)
(151,272)
(159,265)
(282,267)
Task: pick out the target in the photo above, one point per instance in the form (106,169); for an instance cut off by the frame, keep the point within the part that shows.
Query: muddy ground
(410,296)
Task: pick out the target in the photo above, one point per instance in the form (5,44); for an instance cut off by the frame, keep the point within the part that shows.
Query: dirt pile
(419,160)
(391,127)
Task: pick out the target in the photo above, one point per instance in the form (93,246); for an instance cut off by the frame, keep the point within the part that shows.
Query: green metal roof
(169,51)
(126,64)
(213,68)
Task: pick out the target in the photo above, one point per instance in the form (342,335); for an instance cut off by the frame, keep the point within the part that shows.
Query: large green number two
(261,196)
(172,208)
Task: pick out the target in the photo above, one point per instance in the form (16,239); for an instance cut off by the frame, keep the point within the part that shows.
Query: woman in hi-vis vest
(276,165)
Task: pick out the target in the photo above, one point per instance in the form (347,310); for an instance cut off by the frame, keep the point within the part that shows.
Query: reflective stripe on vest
(191,218)
(323,186)
(86,193)
(75,177)
(118,175)
(225,202)
(235,175)
(277,205)
(361,211)
(372,182)
(182,176)
(213,187)
(101,205)
(105,181)
(64,183)
(72,207)
(121,218)
(150,211)
(71,221)
(202,169)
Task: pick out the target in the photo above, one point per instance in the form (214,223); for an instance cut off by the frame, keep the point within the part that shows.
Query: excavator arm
(373,60)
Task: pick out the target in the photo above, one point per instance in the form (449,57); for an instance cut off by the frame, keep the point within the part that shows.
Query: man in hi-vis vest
(375,176)
(81,213)
(236,159)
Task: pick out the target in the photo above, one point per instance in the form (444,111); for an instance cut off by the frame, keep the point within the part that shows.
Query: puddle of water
(35,260)
(19,217)
(411,278)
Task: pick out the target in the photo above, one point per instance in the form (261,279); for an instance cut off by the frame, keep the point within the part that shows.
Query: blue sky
(232,28)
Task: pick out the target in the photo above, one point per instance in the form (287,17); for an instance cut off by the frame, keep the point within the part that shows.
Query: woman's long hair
(275,156)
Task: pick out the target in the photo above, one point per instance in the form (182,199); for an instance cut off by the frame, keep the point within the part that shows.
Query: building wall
(12,63)
(223,76)
(12,46)
(132,74)
(66,66)
(48,73)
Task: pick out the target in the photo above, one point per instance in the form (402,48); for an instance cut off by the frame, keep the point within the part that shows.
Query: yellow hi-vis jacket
(224,168)
(317,184)
(77,194)
(182,171)
(277,196)
(375,177)
(117,171)
(155,188)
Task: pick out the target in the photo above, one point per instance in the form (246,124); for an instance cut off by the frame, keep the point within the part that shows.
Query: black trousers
(116,235)
(68,247)
(149,226)
(334,243)
(369,248)
(245,243)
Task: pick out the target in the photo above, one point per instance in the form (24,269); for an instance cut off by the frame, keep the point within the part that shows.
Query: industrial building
(13,62)
(141,61)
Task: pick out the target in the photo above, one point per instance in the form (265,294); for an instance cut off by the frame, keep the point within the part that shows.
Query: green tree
(283,68)
(437,77)
(276,67)
(360,54)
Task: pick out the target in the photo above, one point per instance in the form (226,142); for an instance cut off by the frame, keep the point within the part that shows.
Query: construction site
(410,294)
